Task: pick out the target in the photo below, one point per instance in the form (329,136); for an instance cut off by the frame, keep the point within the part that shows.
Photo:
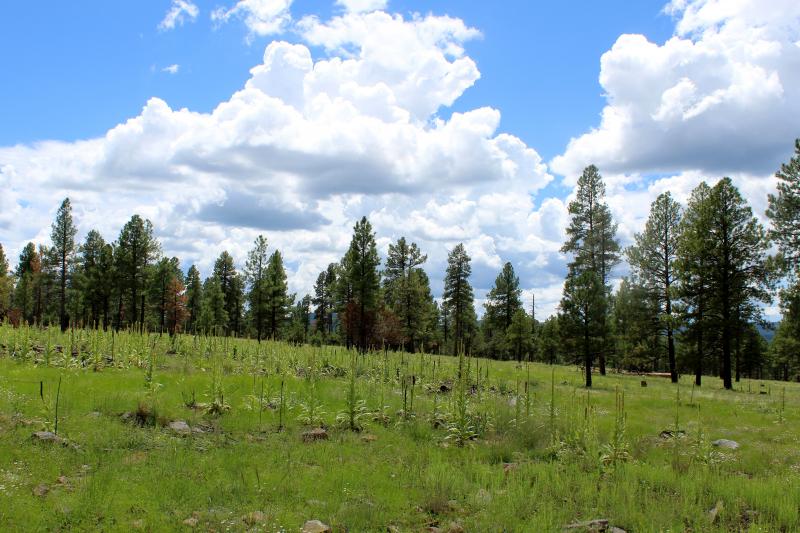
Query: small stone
(46,436)
(41,490)
(713,513)
(180,427)
(191,522)
(315,435)
(726,443)
(315,526)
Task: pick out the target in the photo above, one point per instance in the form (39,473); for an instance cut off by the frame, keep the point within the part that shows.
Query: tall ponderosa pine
(97,278)
(166,278)
(213,318)
(232,290)
(502,302)
(592,241)
(693,272)
(739,273)
(402,291)
(255,272)
(361,283)
(583,311)
(137,248)
(324,300)
(28,274)
(63,237)
(277,302)
(194,298)
(458,298)
(652,259)
(784,210)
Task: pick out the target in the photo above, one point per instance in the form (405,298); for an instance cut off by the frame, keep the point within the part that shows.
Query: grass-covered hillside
(157,433)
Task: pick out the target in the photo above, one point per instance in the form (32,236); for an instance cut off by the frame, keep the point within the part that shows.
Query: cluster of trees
(699,277)
(692,301)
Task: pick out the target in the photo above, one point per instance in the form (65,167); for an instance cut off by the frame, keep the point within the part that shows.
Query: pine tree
(277,299)
(28,293)
(518,335)
(176,311)
(97,277)
(458,299)
(636,323)
(652,259)
(402,292)
(583,311)
(502,302)
(213,317)
(232,289)
(693,272)
(739,272)
(63,237)
(362,282)
(591,238)
(137,248)
(162,288)
(256,275)
(194,297)
(784,211)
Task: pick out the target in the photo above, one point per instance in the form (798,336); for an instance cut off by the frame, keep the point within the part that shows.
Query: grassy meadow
(411,442)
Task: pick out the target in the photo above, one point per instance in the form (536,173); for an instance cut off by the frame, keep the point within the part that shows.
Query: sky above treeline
(443,121)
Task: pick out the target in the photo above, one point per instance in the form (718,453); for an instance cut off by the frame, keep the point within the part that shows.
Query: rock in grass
(315,526)
(315,435)
(41,490)
(713,513)
(180,427)
(47,436)
(191,522)
(726,443)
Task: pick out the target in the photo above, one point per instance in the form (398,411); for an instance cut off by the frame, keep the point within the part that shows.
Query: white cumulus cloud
(261,17)
(722,95)
(180,11)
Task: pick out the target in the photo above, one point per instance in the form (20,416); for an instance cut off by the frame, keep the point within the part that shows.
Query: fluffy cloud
(178,13)
(261,17)
(361,6)
(302,150)
(722,95)
(171,69)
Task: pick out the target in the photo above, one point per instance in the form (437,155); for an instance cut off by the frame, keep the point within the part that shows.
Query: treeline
(692,302)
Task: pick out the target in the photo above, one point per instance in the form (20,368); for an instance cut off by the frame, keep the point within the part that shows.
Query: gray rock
(726,443)
(315,526)
(180,427)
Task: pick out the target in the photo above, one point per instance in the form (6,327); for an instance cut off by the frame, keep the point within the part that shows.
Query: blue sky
(82,67)
(442,121)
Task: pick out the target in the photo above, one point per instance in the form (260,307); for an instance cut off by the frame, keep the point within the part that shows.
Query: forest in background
(692,303)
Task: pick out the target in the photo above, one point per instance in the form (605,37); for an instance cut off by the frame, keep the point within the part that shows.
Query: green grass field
(410,444)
